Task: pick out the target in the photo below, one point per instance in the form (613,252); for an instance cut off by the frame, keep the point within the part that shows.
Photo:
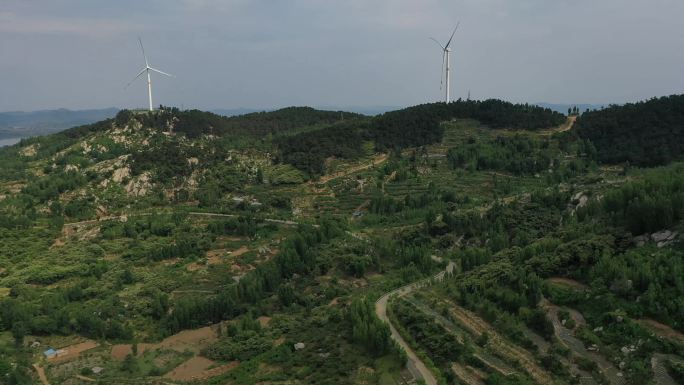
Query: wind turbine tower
(446,65)
(147,70)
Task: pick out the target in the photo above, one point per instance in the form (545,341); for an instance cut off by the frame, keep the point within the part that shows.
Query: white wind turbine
(445,61)
(147,69)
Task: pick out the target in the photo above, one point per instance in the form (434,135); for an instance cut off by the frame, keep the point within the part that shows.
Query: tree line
(420,125)
(308,151)
(648,133)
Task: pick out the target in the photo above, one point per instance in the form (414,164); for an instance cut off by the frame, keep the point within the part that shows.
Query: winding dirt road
(41,374)
(414,364)
(190,213)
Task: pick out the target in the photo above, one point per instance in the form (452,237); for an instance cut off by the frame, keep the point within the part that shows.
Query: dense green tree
(647,133)
(367,329)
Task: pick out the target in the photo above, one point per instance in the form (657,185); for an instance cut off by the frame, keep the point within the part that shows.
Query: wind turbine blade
(136,77)
(452,35)
(435,40)
(143,51)
(161,72)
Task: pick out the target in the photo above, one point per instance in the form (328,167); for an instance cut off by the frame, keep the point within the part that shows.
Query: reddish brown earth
(197,368)
(662,330)
(73,351)
(568,282)
(192,340)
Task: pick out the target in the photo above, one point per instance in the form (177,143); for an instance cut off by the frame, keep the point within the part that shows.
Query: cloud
(13,23)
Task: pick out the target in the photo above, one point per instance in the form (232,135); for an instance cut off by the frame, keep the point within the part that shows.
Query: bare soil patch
(193,266)
(73,351)
(264,321)
(58,243)
(190,369)
(41,374)
(119,352)
(661,329)
(215,257)
(197,368)
(239,251)
(568,282)
(192,340)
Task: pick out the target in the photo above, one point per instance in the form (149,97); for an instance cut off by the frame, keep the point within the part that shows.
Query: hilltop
(190,247)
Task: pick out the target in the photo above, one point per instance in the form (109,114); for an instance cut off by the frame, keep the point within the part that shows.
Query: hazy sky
(272,53)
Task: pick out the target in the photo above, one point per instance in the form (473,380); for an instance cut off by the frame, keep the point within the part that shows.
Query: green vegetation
(420,125)
(252,250)
(648,133)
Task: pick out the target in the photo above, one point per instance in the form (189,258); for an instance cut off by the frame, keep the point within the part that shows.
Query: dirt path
(68,226)
(414,364)
(41,374)
(376,161)
(478,326)
(490,361)
(567,126)
(466,374)
(568,339)
(662,330)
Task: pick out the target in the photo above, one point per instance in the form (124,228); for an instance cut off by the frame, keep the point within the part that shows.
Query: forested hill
(420,125)
(194,123)
(647,133)
(305,137)
(411,127)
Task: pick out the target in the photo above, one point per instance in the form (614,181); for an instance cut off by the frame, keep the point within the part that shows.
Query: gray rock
(299,346)
(641,240)
(662,236)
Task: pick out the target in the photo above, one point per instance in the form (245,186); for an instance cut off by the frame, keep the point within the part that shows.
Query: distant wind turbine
(446,50)
(147,69)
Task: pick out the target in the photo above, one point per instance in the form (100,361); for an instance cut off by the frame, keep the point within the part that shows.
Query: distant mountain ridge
(20,124)
(364,110)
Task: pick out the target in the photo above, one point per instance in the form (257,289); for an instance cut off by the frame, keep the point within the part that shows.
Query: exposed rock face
(120,174)
(640,240)
(578,201)
(664,238)
(140,185)
(31,150)
(661,238)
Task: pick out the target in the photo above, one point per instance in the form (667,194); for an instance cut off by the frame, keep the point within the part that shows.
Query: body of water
(9,142)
